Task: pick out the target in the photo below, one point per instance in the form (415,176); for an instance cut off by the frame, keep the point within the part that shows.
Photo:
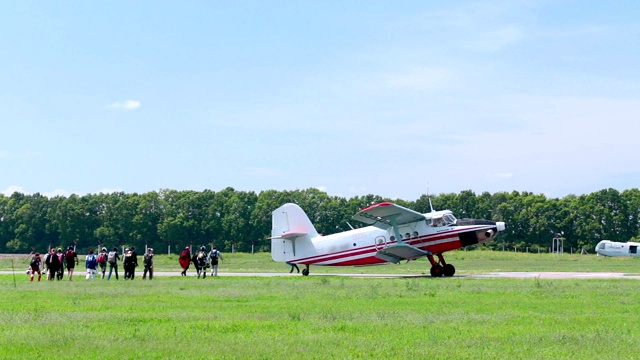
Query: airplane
(395,233)
(612,248)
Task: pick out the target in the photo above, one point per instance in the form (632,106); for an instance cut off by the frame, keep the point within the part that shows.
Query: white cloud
(57,192)
(11,189)
(126,105)
(110,190)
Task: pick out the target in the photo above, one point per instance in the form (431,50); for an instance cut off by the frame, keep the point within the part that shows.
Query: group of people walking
(201,260)
(55,262)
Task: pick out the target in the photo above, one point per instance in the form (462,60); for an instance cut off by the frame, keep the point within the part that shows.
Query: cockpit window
(449,219)
(443,220)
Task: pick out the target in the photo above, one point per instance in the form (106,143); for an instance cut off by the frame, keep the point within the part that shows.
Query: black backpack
(128,258)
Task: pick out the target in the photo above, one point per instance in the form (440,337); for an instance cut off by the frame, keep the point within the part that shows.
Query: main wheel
(449,270)
(305,272)
(436,271)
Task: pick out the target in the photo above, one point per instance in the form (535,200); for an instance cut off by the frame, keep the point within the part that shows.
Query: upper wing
(384,214)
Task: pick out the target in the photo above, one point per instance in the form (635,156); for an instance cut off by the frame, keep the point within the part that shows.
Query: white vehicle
(396,233)
(612,248)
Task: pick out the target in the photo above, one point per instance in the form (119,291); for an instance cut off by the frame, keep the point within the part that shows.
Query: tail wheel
(448,270)
(305,272)
(436,271)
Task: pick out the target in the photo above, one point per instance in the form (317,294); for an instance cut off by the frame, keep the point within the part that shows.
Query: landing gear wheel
(448,270)
(436,271)
(305,272)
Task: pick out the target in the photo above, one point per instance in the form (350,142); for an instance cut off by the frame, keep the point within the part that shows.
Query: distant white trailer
(612,248)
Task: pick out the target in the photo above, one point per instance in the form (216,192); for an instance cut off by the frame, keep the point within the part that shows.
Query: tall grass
(319,318)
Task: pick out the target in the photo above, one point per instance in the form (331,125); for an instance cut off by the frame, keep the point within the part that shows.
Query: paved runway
(512,275)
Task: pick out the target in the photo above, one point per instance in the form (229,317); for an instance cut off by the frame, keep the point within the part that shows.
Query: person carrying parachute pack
(214,255)
(112,259)
(71,259)
(201,262)
(130,262)
(185,260)
(102,261)
(91,263)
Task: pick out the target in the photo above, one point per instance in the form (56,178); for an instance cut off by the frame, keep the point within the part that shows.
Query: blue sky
(393,98)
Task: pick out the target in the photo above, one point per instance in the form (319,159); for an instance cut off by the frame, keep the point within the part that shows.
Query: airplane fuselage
(359,247)
(612,248)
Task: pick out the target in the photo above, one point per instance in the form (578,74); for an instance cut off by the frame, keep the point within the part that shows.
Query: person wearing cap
(35,264)
(71,257)
(185,260)
(102,260)
(148,264)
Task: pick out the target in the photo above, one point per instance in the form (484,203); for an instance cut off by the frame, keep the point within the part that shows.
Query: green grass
(466,262)
(319,318)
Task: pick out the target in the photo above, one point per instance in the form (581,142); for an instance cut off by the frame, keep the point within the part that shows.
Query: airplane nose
(501,225)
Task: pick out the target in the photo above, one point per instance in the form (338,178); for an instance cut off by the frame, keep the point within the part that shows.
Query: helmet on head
(202,248)
(60,249)
(115,248)
(70,247)
(103,249)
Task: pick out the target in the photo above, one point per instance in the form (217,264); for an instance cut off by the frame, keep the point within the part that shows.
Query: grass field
(466,262)
(330,317)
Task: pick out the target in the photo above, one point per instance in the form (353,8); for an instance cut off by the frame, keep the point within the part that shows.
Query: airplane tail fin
(291,232)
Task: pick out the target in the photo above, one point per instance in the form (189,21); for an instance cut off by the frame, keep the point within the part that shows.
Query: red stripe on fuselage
(422,242)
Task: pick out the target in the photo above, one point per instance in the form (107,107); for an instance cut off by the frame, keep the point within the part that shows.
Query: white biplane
(395,234)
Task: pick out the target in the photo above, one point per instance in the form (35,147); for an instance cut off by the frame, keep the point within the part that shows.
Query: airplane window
(415,233)
(407,235)
(449,219)
(393,238)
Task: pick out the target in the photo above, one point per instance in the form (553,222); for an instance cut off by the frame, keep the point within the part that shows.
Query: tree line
(241,220)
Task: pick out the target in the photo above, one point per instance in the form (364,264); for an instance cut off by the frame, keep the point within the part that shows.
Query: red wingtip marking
(385,203)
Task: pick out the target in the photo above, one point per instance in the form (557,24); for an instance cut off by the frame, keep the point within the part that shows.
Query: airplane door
(633,250)
(381,242)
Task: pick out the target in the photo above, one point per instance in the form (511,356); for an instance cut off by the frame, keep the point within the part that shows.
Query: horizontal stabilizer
(397,252)
(288,236)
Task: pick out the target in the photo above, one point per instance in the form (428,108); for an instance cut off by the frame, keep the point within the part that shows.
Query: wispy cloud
(125,105)
(12,189)
(110,190)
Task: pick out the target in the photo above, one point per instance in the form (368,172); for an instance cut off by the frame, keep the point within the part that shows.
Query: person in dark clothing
(148,264)
(53,264)
(71,258)
(112,260)
(201,262)
(60,272)
(130,263)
